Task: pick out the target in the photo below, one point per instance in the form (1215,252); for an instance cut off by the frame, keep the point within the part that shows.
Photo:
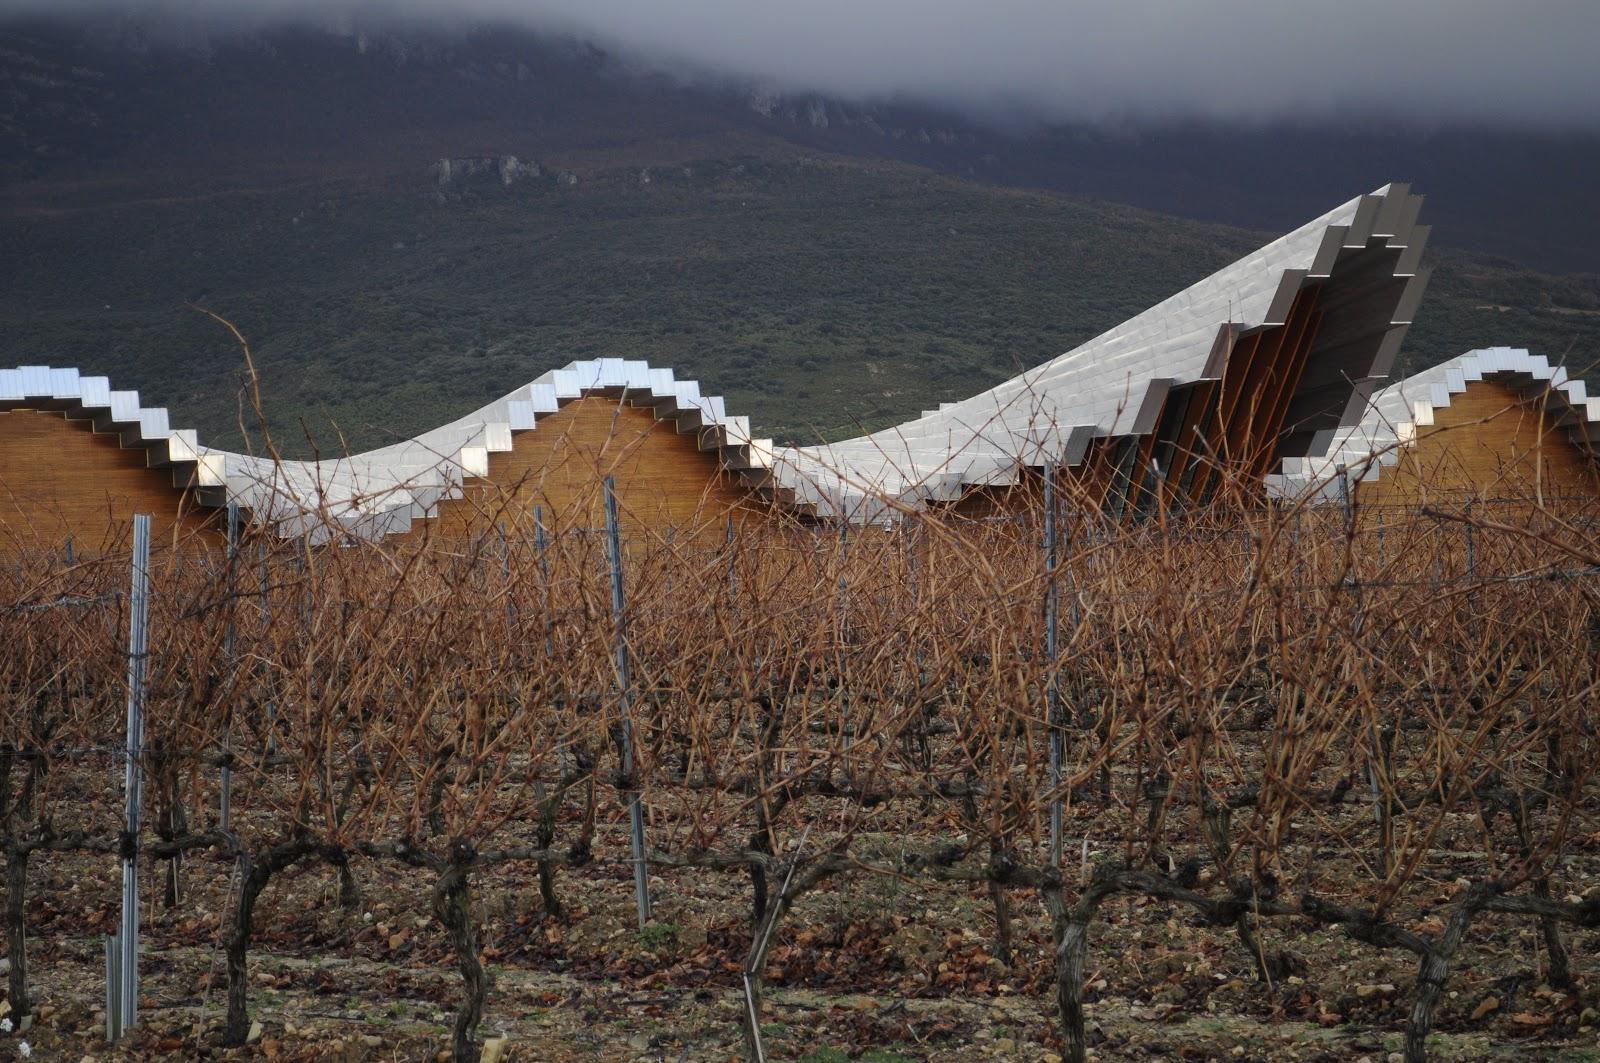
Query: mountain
(407,224)
(110,96)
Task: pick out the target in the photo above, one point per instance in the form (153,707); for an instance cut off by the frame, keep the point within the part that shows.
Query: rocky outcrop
(763,101)
(508,168)
(819,113)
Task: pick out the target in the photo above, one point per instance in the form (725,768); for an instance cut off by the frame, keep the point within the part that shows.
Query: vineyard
(798,782)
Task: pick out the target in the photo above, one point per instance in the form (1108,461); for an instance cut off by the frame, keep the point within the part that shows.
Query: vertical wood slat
(1189,455)
(1243,428)
(1300,334)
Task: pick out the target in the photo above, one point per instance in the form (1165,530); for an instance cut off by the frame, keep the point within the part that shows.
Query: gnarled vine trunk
(452,907)
(1072,946)
(17,855)
(255,871)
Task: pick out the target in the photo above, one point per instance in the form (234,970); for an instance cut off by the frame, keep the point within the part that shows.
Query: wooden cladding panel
(1300,333)
(1188,450)
(60,478)
(1244,392)
(988,503)
(1139,476)
(1091,480)
(663,479)
(1490,442)
(1263,372)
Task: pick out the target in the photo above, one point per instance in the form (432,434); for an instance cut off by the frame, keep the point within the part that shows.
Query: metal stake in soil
(133,781)
(1052,691)
(641,872)
(544,574)
(225,811)
(113,989)
(505,581)
(844,623)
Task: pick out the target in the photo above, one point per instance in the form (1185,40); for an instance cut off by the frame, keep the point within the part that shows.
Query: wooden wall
(995,503)
(60,478)
(663,479)
(1208,433)
(1488,443)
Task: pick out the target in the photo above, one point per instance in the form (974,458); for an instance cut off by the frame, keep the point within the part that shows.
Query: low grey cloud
(1528,63)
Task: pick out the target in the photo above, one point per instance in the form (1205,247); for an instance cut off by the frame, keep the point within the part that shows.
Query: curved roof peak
(1107,386)
(1362,257)
(379,492)
(1395,414)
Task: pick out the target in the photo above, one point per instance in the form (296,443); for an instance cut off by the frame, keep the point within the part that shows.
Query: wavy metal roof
(380,492)
(1109,385)
(1395,415)
(1367,250)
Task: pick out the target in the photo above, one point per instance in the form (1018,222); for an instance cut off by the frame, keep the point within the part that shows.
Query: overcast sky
(1515,62)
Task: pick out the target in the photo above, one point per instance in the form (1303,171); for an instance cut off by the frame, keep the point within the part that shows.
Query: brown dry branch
(1268,716)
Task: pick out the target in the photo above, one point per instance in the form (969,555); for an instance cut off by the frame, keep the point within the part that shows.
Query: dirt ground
(874,969)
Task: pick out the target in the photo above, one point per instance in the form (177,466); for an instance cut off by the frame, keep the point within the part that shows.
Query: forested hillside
(818,295)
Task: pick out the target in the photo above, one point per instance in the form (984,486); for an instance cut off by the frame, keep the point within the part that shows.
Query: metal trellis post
(225,811)
(671,567)
(1052,691)
(505,580)
(539,544)
(641,871)
(1344,496)
(913,540)
(133,783)
(844,617)
(264,576)
(113,988)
